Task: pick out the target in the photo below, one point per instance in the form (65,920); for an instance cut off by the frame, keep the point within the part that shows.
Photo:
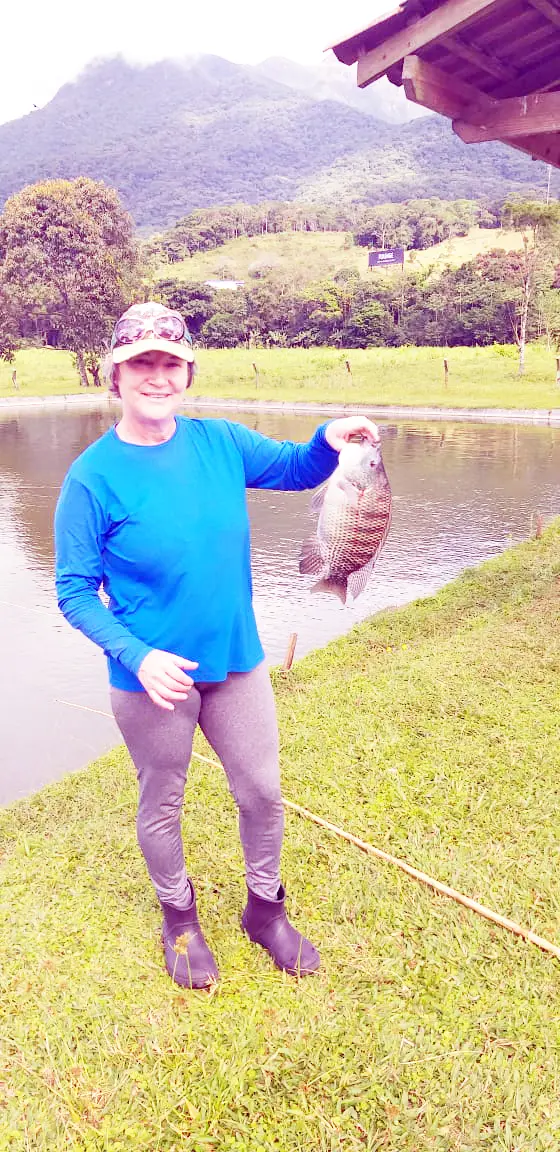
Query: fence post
(445,373)
(256,371)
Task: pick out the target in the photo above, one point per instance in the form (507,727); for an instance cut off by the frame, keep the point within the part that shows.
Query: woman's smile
(147,382)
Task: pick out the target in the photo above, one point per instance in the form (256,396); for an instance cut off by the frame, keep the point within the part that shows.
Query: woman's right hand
(161,674)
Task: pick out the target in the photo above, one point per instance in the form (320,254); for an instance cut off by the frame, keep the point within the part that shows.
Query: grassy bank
(431,731)
(478,377)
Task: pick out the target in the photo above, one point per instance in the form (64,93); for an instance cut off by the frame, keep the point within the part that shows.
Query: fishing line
(31,608)
(371,850)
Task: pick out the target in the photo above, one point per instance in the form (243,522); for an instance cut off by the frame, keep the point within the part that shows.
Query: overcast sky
(46,44)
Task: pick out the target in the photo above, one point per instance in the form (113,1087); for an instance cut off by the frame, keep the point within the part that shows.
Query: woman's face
(151,387)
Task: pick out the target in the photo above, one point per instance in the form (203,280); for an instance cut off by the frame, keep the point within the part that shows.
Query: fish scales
(353,535)
(355,516)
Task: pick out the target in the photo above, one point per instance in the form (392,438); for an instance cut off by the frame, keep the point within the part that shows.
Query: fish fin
(338,588)
(350,491)
(310,559)
(358,579)
(318,498)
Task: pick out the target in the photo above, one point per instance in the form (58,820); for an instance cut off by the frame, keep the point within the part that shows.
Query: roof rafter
(537,79)
(508,52)
(467,107)
(547,9)
(474,55)
(450,17)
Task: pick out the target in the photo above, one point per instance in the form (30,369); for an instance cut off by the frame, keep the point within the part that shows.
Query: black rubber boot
(188,958)
(266,923)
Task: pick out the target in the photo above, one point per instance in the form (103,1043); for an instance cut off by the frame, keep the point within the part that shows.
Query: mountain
(175,136)
(330,81)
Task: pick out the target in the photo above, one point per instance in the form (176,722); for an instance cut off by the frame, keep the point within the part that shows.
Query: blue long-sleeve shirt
(165,529)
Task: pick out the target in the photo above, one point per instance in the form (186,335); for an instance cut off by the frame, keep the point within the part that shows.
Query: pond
(462,492)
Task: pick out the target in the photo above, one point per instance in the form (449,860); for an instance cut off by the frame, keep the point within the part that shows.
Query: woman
(155,510)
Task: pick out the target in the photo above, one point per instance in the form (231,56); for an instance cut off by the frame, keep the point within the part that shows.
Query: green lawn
(478,377)
(431,731)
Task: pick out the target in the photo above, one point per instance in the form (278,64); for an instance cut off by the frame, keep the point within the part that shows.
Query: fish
(355,508)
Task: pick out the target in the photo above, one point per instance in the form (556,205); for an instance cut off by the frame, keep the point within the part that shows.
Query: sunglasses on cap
(170,326)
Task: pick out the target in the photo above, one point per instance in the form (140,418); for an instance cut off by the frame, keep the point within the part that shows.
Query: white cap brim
(173,347)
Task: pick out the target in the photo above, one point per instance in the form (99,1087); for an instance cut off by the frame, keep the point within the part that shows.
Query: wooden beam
(519,116)
(395,74)
(541,146)
(547,9)
(450,17)
(429,86)
(545,148)
(483,60)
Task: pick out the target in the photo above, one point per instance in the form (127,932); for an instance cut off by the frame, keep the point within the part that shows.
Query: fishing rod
(370,849)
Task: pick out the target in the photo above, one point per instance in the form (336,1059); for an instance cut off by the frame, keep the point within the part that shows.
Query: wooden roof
(491,66)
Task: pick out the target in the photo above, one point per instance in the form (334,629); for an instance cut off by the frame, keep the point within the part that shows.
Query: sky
(46,45)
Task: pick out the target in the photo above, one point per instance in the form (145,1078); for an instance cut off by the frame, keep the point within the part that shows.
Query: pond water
(462,492)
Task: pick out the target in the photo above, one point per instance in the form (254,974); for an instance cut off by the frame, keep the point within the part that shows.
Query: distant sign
(384,256)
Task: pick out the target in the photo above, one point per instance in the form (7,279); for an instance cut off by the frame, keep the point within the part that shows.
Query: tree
(69,263)
(223,330)
(260,268)
(321,313)
(270,306)
(370,327)
(541,246)
(194,300)
(8,326)
(224,269)
(549,307)
(228,325)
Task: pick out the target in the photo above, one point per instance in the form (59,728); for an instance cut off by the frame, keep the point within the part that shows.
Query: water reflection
(462,492)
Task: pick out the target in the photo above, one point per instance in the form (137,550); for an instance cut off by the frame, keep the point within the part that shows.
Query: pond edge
(544,416)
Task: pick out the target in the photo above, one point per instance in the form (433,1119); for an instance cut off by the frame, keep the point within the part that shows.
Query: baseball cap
(150,327)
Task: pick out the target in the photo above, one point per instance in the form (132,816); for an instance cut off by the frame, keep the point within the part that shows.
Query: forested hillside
(294,280)
(308,256)
(61,284)
(172,137)
(415,224)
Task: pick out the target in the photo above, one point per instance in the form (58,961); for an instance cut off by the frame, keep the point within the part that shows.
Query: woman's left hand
(339,432)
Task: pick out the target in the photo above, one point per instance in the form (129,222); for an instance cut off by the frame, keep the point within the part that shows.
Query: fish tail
(336,587)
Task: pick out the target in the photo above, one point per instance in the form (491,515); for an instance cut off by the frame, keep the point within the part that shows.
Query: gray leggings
(238,718)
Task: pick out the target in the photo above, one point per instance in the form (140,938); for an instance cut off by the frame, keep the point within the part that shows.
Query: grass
(431,731)
(456,251)
(307,255)
(478,377)
(317,255)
